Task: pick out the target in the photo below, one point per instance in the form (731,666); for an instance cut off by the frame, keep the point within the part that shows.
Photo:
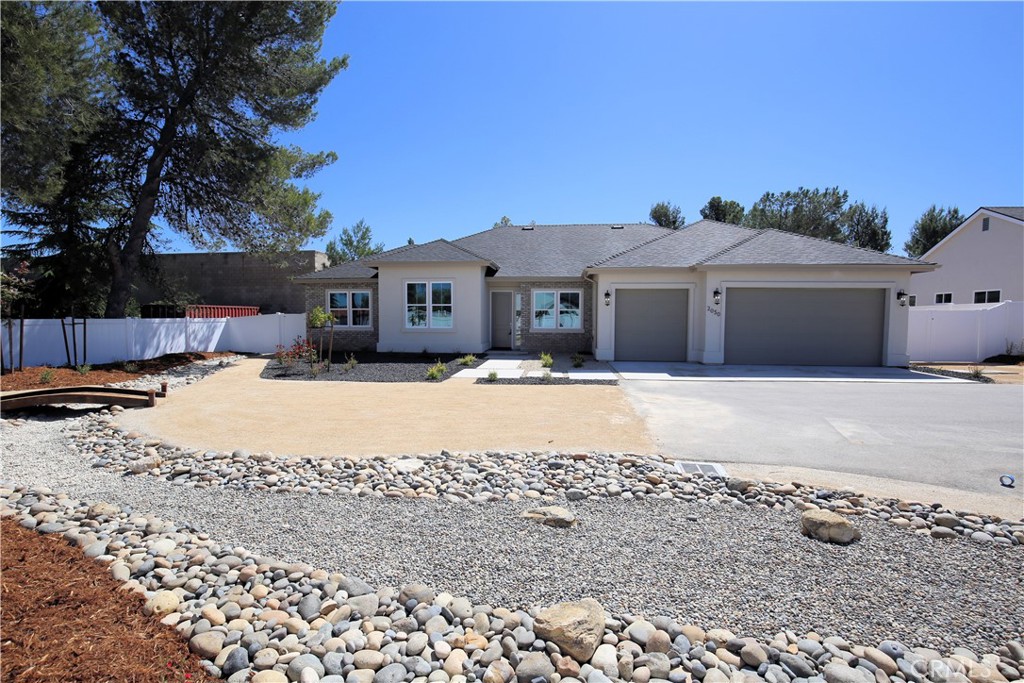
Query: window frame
(557,293)
(429,305)
(987,296)
(939,296)
(349,308)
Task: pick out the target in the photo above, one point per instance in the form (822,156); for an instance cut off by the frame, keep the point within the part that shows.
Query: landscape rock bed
(251,617)
(372,367)
(534,381)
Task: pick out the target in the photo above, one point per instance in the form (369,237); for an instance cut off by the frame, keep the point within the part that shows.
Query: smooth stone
(392,673)
(207,645)
(534,665)
(296,666)
(605,660)
(828,526)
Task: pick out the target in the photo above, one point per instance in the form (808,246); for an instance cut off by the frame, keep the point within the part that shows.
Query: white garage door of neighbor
(650,324)
(796,326)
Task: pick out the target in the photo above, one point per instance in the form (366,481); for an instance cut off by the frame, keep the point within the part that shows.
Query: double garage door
(763,326)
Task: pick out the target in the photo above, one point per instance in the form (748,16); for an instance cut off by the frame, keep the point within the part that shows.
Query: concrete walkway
(236,409)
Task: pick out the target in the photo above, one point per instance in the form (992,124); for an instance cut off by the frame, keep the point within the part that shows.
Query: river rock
(576,627)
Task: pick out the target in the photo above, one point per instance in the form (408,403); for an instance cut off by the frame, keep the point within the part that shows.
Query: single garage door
(778,326)
(650,324)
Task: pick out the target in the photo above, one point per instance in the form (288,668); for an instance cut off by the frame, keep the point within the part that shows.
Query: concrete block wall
(346,340)
(233,279)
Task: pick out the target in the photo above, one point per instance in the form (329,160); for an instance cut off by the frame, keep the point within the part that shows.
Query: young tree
(816,213)
(867,227)
(202,89)
(505,222)
(723,211)
(933,225)
(354,243)
(667,215)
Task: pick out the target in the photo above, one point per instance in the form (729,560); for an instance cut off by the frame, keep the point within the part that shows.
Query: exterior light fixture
(607,298)
(901,296)
(717,296)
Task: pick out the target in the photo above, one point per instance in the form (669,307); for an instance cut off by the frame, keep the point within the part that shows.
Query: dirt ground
(235,409)
(81,628)
(40,377)
(1001,373)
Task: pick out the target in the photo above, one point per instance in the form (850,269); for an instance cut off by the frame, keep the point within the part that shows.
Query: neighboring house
(709,292)
(980,262)
(231,279)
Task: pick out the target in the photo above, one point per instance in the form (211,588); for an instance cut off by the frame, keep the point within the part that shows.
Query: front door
(501,320)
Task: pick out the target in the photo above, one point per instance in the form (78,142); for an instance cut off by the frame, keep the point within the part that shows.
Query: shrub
(350,363)
(577,360)
(468,359)
(319,318)
(546,360)
(437,370)
(546,377)
(975,371)
(492,376)
(46,376)
(130,366)
(83,369)
(315,368)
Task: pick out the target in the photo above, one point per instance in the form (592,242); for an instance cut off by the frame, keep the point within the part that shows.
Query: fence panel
(964,332)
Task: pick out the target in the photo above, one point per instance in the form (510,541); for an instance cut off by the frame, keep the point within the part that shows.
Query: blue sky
(454,114)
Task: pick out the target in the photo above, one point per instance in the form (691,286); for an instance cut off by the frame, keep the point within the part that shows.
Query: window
(350,308)
(984,226)
(428,305)
(912,299)
(946,298)
(992,296)
(554,309)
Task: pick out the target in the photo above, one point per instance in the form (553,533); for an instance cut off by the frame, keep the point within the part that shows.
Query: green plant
(350,362)
(577,360)
(315,368)
(318,317)
(437,370)
(492,376)
(468,359)
(546,377)
(975,371)
(46,376)
(546,359)
(83,369)
(130,366)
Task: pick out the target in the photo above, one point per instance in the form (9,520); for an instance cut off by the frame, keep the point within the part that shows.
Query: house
(710,292)
(981,261)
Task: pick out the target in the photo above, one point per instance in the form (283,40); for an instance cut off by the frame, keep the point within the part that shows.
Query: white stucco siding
(973,260)
(468,333)
(613,280)
(894,352)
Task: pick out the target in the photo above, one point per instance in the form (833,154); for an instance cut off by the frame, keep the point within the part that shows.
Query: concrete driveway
(684,372)
(960,435)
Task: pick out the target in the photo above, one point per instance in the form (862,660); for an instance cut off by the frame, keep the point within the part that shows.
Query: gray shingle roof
(1011,211)
(366,268)
(556,250)
(351,270)
(679,248)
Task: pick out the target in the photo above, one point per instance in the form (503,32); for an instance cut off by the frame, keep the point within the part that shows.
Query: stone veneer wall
(554,341)
(348,339)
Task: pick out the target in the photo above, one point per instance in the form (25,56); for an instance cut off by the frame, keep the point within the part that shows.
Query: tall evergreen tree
(930,229)
(353,244)
(867,227)
(723,211)
(816,213)
(667,215)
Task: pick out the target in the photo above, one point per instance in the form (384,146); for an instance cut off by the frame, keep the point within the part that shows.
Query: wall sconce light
(607,298)
(901,296)
(716,296)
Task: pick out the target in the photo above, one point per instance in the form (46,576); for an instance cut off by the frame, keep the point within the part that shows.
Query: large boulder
(828,527)
(552,515)
(576,627)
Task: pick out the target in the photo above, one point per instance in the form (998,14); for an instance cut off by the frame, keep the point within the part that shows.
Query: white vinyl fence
(122,339)
(964,332)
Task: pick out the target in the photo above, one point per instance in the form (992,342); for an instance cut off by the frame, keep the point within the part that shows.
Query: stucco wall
(975,260)
(469,308)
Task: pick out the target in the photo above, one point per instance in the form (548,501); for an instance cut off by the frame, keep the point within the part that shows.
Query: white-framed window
(350,307)
(913,299)
(944,298)
(560,309)
(428,305)
(991,296)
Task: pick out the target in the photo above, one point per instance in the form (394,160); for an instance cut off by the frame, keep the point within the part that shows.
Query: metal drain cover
(710,469)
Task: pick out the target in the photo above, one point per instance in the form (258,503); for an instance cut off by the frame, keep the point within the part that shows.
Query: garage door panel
(650,324)
(797,326)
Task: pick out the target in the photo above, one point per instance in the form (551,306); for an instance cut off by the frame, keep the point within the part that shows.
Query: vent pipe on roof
(527,227)
(618,227)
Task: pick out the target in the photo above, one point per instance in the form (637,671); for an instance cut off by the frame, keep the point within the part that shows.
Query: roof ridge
(734,245)
(842,244)
(468,251)
(671,232)
(1001,210)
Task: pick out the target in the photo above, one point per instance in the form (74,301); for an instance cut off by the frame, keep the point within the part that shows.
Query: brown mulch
(33,377)
(64,619)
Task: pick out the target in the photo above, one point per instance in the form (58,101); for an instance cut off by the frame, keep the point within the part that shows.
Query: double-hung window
(350,308)
(428,305)
(557,309)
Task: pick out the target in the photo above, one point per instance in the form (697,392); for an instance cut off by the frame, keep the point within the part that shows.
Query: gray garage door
(650,324)
(804,326)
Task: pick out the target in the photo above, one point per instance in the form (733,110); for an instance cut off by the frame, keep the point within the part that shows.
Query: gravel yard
(372,367)
(744,569)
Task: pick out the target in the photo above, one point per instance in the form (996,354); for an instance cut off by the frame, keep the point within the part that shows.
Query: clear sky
(452,115)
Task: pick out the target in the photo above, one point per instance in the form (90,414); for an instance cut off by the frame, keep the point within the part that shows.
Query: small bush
(437,370)
(46,376)
(350,362)
(318,318)
(492,376)
(130,366)
(975,371)
(546,377)
(316,368)
(468,359)
(577,360)
(546,359)
(83,369)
